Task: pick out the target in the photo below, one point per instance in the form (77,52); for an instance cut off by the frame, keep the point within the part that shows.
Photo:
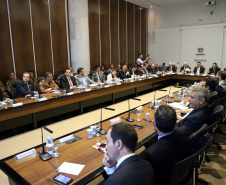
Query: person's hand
(127,73)
(27,96)
(49,90)
(108,162)
(185,101)
(74,87)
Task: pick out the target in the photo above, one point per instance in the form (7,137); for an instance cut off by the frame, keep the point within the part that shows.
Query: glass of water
(55,147)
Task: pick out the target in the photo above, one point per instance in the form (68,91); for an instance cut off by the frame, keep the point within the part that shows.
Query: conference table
(33,111)
(32,170)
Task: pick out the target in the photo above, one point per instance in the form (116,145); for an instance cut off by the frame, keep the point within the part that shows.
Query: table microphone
(169,101)
(153,107)
(129,118)
(12,95)
(42,154)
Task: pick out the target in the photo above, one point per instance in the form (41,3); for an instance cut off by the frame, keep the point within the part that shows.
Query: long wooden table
(32,111)
(31,170)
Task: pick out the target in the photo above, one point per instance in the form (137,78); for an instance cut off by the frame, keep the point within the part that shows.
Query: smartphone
(63,179)
(138,126)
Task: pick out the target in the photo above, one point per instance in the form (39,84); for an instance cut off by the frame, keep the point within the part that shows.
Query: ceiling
(158,3)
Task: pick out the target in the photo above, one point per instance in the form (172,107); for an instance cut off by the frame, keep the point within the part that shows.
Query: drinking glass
(138,114)
(55,147)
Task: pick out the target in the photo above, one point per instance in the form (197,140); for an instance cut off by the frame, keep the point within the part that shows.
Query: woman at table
(111,76)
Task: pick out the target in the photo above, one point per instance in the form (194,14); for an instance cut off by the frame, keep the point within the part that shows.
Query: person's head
(140,55)
(31,74)
(134,67)
(214,65)
(113,72)
(81,71)
(146,65)
(157,64)
(111,66)
(12,76)
(165,119)
(170,64)
(198,64)
(224,70)
(199,97)
(209,84)
(124,67)
(152,66)
(48,76)
(68,72)
(221,75)
(71,69)
(121,140)
(97,68)
(102,68)
(125,63)
(26,77)
(185,64)
(119,66)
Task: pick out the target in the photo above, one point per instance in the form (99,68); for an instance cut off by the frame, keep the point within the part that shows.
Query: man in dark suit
(171,68)
(169,149)
(67,81)
(152,69)
(157,67)
(97,76)
(199,68)
(199,112)
(134,71)
(214,69)
(124,73)
(185,68)
(123,166)
(24,88)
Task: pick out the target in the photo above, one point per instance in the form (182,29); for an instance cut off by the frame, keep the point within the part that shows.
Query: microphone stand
(43,154)
(153,107)
(101,131)
(129,118)
(168,100)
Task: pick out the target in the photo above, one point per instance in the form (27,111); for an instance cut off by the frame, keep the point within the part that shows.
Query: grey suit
(95,77)
(79,80)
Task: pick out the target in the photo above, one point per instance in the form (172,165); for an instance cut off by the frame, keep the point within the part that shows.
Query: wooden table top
(35,171)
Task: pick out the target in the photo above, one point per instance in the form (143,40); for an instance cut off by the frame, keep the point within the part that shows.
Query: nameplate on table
(131,81)
(106,86)
(140,79)
(139,108)
(17,104)
(115,120)
(118,83)
(150,77)
(42,99)
(25,154)
(66,138)
(70,93)
(87,90)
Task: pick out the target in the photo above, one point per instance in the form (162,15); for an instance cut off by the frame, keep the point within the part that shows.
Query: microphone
(101,131)
(42,154)
(169,101)
(129,118)
(12,94)
(153,107)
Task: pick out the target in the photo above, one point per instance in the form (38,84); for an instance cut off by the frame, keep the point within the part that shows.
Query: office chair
(214,100)
(55,76)
(41,78)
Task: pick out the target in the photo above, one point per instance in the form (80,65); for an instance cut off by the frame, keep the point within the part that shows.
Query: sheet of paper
(70,168)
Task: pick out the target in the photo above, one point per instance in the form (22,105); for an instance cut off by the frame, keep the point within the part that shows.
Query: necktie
(70,82)
(214,70)
(28,89)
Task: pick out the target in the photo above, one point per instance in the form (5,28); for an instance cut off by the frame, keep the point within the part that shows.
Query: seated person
(214,69)
(102,69)
(224,70)
(3,88)
(222,76)
(140,61)
(111,68)
(67,81)
(157,67)
(134,71)
(97,76)
(171,68)
(169,148)
(124,73)
(153,69)
(121,163)
(11,81)
(112,76)
(198,114)
(24,87)
(2,95)
(199,68)
(32,77)
(146,69)
(82,79)
(211,84)
(48,85)
(71,71)
(119,68)
(185,68)
(142,71)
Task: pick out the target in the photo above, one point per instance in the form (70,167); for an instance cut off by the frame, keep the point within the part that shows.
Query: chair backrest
(41,78)
(58,80)
(106,72)
(182,170)
(213,97)
(55,77)
(217,114)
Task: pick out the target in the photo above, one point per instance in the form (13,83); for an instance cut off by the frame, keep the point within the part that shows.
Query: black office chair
(58,80)
(55,77)
(185,171)
(41,78)
(214,100)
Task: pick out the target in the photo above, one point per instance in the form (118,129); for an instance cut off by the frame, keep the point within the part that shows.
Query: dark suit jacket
(2,95)
(219,90)
(22,90)
(182,68)
(216,70)
(163,155)
(64,83)
(158,68)
(132,171)
(195,120)
(173,69)
(122,74)
(152,70)
(135,72)
(202,70)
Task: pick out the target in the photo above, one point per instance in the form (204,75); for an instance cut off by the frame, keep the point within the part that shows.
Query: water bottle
(49,144)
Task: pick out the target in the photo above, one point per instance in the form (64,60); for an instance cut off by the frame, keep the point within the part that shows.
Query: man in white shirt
(97,76)
(140,61)
(82,79)
(121,163)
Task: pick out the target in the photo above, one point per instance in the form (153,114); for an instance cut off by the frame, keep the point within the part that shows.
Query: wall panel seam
(51,41)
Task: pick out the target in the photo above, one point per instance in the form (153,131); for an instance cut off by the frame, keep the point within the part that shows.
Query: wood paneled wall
(117,32)
(33,36)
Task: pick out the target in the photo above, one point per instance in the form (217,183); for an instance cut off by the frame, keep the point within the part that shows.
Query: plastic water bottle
(49,144)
